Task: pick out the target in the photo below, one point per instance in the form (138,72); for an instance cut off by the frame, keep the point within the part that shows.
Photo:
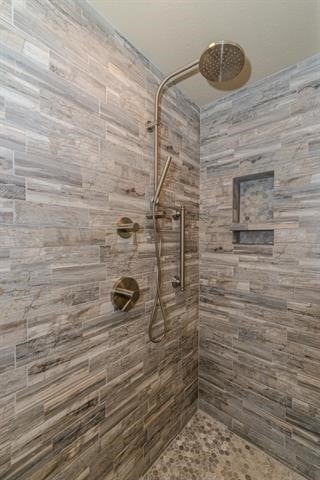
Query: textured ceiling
(171,33)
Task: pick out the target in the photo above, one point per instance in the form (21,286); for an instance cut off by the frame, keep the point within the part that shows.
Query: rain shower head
(222,61)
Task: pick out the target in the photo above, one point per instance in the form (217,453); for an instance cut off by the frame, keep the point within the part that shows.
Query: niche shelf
(253,209)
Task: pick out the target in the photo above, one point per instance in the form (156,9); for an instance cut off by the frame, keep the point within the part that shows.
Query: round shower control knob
(126,227)
(125,294)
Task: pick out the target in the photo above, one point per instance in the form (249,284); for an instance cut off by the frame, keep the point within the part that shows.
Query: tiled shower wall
(260,305)
(83,394)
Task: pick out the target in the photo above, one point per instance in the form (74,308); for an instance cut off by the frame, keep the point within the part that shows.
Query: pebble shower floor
(207,450)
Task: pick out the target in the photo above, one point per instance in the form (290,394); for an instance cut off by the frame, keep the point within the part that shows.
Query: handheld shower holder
(150,126)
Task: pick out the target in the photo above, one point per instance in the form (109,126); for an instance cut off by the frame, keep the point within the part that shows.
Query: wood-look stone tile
(83,393)
(259,304)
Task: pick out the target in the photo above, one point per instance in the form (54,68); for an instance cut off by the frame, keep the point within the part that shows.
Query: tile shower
(259,303)
(84,395)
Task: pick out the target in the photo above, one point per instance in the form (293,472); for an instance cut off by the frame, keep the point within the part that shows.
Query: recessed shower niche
(253,209)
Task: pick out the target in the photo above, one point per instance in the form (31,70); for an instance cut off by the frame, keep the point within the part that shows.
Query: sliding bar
(182,252)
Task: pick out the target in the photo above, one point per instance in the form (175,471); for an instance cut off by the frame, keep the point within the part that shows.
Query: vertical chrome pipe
(182,247)
(170,77)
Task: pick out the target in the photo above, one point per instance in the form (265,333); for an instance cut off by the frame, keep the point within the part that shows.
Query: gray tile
(207,449)
(259,304)
(80,382)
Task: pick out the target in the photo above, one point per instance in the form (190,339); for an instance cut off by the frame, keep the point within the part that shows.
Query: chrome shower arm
(164,82)
(169,77)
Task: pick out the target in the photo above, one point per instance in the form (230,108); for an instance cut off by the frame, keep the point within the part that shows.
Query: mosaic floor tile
(207,450)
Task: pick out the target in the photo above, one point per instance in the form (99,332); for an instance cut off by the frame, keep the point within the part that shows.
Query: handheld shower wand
(162,179)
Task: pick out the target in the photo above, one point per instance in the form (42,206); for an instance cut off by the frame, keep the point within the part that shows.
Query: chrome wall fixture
(125,294)
(221,61)
(182,249)
(126,227)
(180,281)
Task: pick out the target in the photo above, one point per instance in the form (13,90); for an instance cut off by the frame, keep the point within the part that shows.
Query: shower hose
(157,298)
